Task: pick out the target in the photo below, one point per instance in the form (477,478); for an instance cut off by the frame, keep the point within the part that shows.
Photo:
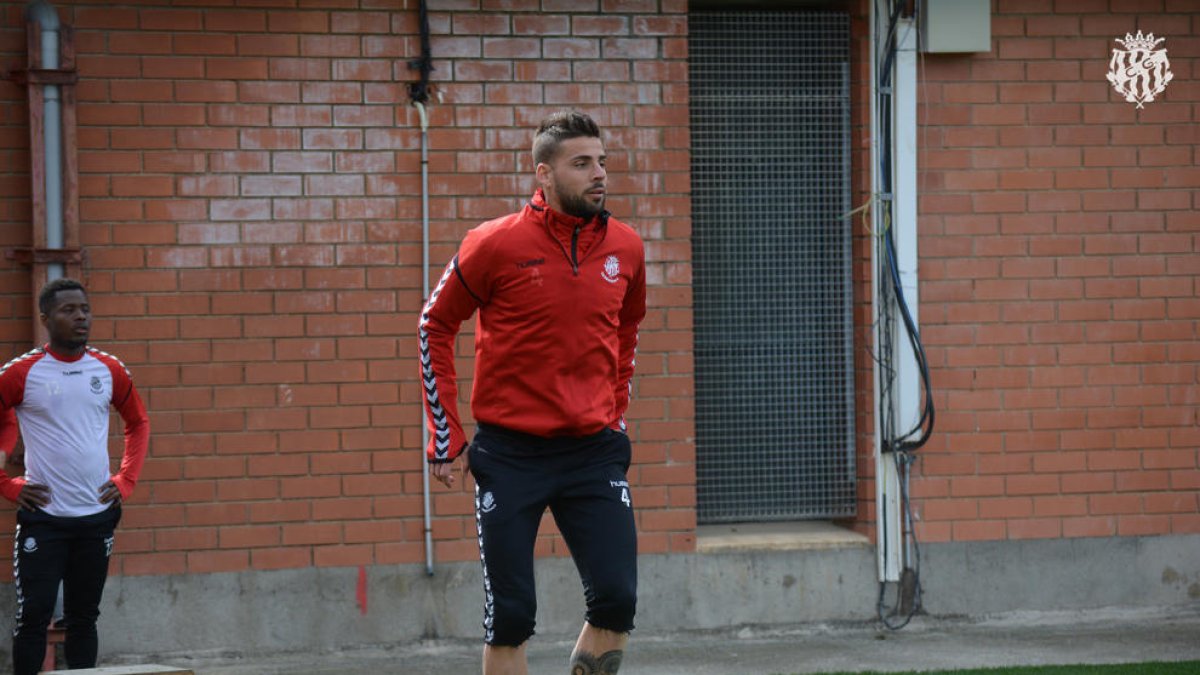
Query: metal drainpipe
(904,182)
(46,17)
(893,548)
(425,298)
(44,14)
(887,483)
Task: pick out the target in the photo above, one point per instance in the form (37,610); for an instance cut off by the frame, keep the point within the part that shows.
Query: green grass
(1152,668)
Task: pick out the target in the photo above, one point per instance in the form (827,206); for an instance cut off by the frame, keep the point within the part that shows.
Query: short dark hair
(559,127)
(52,288)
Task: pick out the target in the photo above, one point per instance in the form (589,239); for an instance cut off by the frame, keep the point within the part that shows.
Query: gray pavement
(1041,638)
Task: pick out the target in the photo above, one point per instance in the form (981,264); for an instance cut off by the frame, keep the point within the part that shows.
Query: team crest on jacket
(97,385)
(612,269)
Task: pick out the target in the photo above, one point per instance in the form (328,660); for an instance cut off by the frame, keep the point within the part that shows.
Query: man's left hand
(445,472)
(109,493)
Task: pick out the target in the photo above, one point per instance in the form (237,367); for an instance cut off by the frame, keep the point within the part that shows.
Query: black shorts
(583,483)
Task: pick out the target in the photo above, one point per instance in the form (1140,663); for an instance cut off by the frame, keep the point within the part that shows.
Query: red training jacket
(559,301)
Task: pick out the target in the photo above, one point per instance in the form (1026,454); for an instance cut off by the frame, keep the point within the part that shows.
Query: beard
(73,341)
(579,205)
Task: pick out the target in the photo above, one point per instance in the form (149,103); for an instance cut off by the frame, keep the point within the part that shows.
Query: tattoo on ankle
(583,663)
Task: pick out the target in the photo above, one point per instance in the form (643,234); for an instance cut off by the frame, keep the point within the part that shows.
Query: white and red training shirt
(62,404)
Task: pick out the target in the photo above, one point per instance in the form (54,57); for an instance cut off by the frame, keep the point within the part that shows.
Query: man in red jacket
(69,501)
(560,288)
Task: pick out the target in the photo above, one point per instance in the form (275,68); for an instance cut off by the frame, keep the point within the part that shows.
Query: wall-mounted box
(949,26)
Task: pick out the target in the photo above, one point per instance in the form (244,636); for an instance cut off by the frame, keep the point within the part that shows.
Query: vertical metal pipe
(887,479)
(896,210)
(904,225)
(425,298)
(904,172)
(46,17)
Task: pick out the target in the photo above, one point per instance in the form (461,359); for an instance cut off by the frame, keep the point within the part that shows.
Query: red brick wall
(1059,244)
(250,204)
(250,200)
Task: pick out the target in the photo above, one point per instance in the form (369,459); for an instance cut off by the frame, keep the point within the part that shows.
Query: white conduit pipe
(425,299)
(46,17)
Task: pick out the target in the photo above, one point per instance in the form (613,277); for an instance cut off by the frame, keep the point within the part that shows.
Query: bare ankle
(608,663)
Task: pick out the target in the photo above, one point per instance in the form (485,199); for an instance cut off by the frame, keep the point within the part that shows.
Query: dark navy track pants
(583,483)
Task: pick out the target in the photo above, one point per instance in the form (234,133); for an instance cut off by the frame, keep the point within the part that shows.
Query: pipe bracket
(44,76)
(28,256)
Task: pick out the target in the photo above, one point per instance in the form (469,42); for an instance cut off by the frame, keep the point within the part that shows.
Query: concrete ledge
(826,574)
(144,669)
(789,536)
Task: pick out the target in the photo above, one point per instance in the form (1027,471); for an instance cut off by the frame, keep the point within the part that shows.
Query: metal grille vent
(770,130)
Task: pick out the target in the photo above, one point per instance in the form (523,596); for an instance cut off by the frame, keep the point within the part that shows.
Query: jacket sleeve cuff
(450,456)
(11,488)
(124,486)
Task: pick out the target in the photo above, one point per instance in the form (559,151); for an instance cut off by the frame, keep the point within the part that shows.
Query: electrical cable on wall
(899,446)
(418,91)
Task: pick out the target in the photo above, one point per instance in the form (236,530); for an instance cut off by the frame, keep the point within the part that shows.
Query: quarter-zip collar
(576,237)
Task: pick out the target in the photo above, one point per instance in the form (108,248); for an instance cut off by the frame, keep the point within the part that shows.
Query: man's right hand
(33,496)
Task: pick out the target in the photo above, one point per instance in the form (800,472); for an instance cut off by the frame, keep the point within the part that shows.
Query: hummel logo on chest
(531,263)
